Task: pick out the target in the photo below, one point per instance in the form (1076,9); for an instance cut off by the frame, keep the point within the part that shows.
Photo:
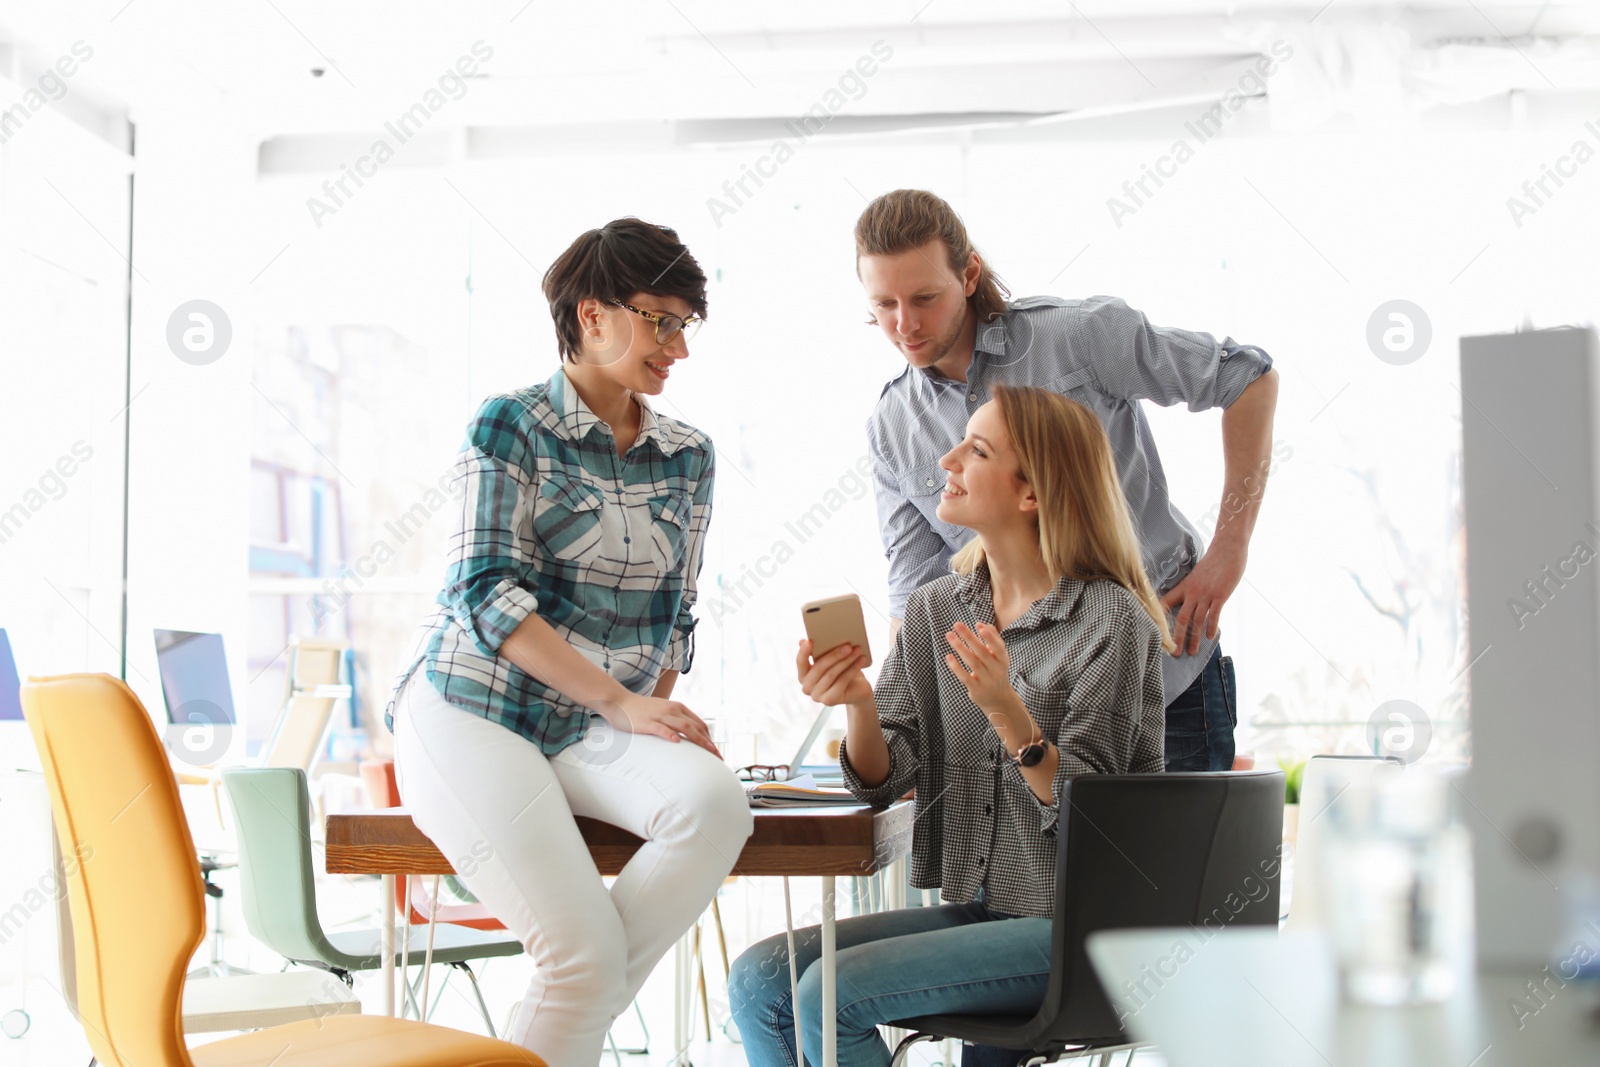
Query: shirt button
(608,665)
(988,809)
(980,861)
(627,540)
(928,482)
(972,396)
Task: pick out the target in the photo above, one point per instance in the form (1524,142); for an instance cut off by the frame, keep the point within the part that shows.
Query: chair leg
(410,992)
(722,938)
(644,1050)
(482,1007)
(642,1026)
(614,1053)
(439,996)
(700,962)
(900,1050)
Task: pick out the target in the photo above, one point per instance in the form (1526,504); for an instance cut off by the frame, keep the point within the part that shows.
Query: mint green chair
(272,814)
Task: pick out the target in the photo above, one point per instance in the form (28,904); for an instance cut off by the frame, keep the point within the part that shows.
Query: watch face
(1031,755)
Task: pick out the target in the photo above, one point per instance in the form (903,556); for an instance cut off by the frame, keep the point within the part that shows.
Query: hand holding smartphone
(835,621)
(831,624)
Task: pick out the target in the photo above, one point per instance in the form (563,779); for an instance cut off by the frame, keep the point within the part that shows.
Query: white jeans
(502,812)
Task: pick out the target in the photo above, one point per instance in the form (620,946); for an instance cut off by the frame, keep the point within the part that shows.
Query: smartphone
(835,621)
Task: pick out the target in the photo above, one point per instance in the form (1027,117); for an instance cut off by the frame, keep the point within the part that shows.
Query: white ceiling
(722,71)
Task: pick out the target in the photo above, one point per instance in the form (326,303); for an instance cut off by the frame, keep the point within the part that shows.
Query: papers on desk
(796,792)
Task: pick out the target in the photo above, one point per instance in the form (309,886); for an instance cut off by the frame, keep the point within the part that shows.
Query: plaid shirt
(1099,352)
(1086,661)
(606,549)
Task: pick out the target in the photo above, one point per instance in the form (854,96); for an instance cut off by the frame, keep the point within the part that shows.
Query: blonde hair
(1085,531)
(909,218)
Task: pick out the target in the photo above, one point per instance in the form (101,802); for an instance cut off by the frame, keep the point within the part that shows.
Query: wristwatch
(1033,753)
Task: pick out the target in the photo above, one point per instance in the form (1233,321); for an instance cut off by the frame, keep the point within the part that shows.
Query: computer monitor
(198,695)
(16,743)
(10,683)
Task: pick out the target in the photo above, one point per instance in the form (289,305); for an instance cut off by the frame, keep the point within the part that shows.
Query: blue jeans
(891,965)
(1200,720)
(1200,726)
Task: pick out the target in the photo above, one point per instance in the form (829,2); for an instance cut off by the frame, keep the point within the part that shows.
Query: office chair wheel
(15,1023)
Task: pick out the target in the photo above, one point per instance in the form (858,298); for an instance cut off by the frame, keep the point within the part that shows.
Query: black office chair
(1136,850)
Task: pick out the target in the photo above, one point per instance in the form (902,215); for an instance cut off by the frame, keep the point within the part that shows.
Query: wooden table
(824,841)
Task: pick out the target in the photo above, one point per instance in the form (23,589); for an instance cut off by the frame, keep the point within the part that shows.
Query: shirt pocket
(1050,708)
(669,522)
(566,516)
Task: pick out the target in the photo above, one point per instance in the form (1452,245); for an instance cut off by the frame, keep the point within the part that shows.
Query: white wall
(188,519)
(1289,242)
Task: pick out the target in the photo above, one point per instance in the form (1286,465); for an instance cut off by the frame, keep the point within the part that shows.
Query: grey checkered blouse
(1086,660)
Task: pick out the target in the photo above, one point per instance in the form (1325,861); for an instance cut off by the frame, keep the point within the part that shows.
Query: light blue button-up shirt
(1097,351)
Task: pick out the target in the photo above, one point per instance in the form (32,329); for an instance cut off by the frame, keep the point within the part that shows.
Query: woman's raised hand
(836,678)
(981,663)
(638,714)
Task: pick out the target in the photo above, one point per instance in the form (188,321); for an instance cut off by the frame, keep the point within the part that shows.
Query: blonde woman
(1037,660)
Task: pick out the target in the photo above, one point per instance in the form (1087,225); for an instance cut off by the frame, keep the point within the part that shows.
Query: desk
(826,842)
(1247,997)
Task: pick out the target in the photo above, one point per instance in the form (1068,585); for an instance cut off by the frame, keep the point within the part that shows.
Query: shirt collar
(932,379)
(989,341)
(576,420)
(1054,606)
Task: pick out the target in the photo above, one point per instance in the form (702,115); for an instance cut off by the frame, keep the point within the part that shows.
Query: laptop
(198,694)
(824,773)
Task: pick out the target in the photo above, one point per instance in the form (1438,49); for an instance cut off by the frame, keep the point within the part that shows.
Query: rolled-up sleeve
(906,685)
(1117,718)
(487,565)
(915,552)
(680,648)
(1134,360)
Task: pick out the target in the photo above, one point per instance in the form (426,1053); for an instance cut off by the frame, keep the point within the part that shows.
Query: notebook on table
(803,790)
(813,784)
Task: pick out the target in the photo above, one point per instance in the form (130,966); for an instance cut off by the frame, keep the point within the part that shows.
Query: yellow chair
(138,910)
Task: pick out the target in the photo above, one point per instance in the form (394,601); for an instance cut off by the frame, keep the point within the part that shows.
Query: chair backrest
(133,883)
(277,880)
(381,786)
(1325,780)
(1196,850)
(303,722)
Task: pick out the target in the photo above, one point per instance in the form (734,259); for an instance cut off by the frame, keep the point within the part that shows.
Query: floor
(752,908)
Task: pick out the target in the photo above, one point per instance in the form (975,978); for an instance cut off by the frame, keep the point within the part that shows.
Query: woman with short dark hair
(540,689)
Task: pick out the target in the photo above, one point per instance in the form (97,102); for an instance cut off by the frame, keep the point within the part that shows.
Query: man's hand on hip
(1199,598)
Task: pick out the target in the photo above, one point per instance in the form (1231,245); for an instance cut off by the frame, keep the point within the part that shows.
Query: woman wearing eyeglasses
(1039,659)
(541,687)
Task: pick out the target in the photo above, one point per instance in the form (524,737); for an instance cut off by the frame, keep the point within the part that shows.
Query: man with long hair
(945,310)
